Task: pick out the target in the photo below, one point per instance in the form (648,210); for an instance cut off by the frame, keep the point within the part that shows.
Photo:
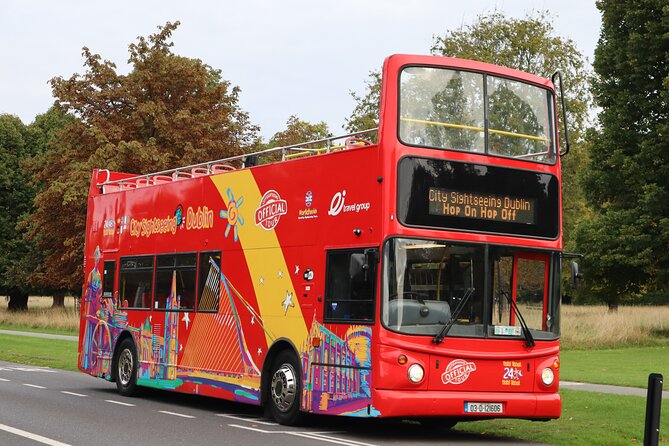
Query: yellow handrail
(476,129)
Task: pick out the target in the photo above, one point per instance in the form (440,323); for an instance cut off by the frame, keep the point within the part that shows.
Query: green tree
(168,111)
(528,44)
(627,180)
(15,200)
(298,131)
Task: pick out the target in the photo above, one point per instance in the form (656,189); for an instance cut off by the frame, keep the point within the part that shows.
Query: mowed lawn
(53,353)
(623,366)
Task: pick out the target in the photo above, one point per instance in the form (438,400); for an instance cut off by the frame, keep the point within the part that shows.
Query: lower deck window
(175,282)
(135,279)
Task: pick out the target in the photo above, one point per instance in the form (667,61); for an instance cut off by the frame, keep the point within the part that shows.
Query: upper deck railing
(351,140)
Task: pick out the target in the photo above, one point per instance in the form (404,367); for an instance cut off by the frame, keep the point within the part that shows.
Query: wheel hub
(125,367)
(283,387)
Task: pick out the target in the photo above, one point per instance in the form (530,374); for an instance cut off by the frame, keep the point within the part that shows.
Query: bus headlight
(416,373)
(547,376)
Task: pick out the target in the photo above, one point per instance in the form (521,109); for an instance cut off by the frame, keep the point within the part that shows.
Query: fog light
(547,376)
(416,373)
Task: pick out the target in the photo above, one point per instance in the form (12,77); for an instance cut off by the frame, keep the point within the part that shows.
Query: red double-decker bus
(414,273)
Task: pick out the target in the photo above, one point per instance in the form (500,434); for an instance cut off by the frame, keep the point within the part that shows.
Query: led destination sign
(503,208)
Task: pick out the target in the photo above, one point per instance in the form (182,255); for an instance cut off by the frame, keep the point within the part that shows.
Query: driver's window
(347,298)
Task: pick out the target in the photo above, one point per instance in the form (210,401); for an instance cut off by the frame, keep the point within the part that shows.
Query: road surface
(59,408)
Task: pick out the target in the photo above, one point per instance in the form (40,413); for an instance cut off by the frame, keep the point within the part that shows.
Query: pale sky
(287,56)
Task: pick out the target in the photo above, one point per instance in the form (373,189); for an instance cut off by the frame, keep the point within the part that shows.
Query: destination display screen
(452,195)
(454,203)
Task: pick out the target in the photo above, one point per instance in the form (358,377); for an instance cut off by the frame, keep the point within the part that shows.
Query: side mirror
(575,275)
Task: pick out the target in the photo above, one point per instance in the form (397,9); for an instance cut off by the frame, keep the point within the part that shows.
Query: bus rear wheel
(125,370)
(285,389)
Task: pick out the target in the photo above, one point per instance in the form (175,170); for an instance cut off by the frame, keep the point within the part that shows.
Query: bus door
(530,289)
(101,309)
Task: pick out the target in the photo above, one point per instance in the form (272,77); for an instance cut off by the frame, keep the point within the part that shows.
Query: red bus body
(273,233)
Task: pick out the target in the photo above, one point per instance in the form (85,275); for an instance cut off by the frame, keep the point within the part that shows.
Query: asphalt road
(60,408)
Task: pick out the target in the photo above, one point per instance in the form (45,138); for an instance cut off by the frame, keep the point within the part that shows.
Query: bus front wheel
(125,370)
(285,389)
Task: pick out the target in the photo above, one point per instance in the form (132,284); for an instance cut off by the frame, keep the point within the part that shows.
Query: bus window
(108,279)
(179,269)
(348,300)
(135,279)
(209,281)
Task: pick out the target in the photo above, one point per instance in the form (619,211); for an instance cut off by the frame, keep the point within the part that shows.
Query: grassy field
(36,351)
(595,327)
(41,317)
(587,419)
(622,367)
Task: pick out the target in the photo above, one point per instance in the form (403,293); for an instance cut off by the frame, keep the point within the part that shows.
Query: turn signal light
(556,364)
(402,359)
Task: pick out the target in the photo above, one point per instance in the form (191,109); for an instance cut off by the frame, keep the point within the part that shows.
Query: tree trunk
(58,299)
(613,307)
(18,302)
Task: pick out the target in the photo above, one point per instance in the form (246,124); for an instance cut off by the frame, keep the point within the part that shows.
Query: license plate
(483,407)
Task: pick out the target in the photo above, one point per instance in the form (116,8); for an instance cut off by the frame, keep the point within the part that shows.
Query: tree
(298,131)
(168,111)
(528,44)
(627,180)
(15,198)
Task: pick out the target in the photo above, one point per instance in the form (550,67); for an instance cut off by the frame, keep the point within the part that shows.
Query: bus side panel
(273,227)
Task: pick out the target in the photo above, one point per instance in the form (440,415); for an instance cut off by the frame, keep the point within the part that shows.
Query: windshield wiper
(439,338)
(529,339)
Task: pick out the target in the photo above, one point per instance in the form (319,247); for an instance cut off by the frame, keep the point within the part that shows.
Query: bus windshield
(425,281)
(448,109)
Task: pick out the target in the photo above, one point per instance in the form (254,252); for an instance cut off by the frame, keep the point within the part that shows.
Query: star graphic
(297,269)
(253,320)
(280,274)
(259,351)
(287,302)
(181,347)
(186,319)
(262,280)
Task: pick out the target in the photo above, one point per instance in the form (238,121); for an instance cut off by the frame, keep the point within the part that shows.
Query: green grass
(41,352)
(623,367)
(50,330)
(587,419)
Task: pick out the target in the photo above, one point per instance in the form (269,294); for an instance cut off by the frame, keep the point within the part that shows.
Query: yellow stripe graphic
(269,272)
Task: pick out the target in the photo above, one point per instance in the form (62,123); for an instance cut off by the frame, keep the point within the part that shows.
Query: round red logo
(271,208)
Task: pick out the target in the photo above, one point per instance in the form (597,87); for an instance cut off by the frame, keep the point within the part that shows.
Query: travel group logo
(338,205)
(457,371)
(271,208)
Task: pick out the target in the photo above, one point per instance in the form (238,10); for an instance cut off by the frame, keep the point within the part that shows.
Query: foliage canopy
(168,111)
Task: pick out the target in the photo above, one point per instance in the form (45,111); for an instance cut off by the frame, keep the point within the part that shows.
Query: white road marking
(4,380)
(120,403)
(321,435)
(31,436)
(73,393)
(34,386)
(328,439)
(309,435)
(251,420)
(176,414)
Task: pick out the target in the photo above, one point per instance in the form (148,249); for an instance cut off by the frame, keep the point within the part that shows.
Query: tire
(285,389)
(125,368)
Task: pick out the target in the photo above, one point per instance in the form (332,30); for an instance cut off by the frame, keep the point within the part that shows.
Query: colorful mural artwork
(337,372)
(167,358)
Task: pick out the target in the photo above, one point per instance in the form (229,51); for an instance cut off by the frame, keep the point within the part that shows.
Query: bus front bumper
(463,405)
